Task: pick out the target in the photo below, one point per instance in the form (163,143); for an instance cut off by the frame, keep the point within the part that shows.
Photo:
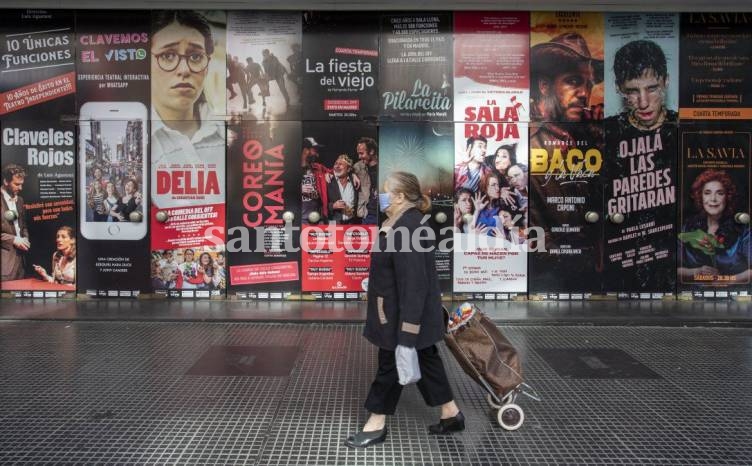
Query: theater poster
(642,63)
(338,179)
(264,68)
(426,150)
(113,98)
(415,72)
(188,258)
(716,66)
(491,100)
(714,243)
(263,183)
(339,65)
(565,207)
(37,86)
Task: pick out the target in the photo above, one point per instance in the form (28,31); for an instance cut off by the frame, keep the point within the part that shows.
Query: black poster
(715,66)
(113,88)
(39,242)
(566,163)
(416,66)
(426,150)
(340,65)
(37,99)
(263,174)
(640,195)
(714,242)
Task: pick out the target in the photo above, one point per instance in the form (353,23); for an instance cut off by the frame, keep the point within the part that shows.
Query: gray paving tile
(118,392)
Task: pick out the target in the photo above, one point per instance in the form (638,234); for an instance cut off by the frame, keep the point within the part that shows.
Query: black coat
(404,299)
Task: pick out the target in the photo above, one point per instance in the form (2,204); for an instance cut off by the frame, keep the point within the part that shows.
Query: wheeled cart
(487,356)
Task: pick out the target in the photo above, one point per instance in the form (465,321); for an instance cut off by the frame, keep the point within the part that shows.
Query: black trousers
(386,389)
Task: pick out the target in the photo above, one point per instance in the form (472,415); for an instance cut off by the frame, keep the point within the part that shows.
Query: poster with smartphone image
(187,217)
(112,78)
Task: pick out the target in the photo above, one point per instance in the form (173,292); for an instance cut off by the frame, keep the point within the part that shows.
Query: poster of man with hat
(566,147)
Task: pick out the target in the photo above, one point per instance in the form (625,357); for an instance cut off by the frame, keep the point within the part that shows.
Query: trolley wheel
(510,416)
(491,401)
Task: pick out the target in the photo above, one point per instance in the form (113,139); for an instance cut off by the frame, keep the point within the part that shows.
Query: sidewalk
(288,394)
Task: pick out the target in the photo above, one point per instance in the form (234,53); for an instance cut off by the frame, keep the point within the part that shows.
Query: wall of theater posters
(38,155)
(190,154)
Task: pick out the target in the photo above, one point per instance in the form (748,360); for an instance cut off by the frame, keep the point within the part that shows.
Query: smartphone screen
(114,169)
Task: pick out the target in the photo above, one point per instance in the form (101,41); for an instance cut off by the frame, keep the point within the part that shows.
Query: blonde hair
(407,184)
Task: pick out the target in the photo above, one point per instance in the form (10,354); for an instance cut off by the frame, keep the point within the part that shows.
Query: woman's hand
(706,270)
(507,197)
(42,272)
(480,201)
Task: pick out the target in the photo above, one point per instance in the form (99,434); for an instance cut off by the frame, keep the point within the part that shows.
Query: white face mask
(385,200)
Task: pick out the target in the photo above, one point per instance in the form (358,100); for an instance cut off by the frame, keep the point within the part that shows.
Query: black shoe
(366,439)
(446,426)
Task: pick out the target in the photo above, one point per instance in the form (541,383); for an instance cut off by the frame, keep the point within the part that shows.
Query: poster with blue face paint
(641,70)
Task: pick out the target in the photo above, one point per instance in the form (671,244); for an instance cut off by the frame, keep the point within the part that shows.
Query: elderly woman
(404,313)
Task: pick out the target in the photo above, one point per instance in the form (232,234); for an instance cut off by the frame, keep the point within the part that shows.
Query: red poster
(336,257)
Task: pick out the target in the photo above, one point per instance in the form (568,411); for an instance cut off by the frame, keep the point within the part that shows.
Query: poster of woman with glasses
(188,71)
(641,96)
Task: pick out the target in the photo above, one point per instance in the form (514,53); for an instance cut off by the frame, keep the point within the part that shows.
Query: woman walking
(404,310)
